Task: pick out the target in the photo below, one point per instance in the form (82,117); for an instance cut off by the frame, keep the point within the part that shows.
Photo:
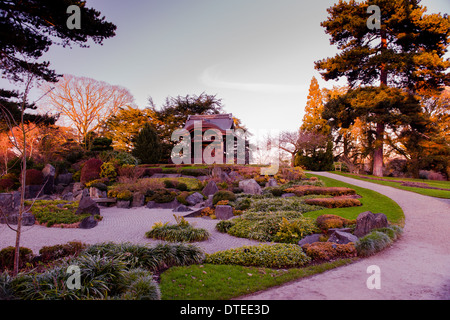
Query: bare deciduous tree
(85,102)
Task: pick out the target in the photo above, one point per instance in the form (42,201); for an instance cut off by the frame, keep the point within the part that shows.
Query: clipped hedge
(320,251)
(265,255)
(333,202)
(332,191)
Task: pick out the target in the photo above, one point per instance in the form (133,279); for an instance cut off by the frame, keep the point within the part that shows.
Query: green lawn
(427,192)
(371,201)
(224,282)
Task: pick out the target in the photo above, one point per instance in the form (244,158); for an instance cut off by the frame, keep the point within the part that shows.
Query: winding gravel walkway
(120,225)
(416,267)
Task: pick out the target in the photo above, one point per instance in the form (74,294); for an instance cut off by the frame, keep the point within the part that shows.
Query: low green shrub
(333,202)
(224,225)
(372,243)
(262,226)
(7,257)
(269,256)
(328,221)
(180,232)
(58,212)
(161,196)
(280,204)
(223,195)
(291,231)
(51,253)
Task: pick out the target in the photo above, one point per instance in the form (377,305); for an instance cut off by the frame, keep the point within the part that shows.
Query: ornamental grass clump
(268,256)
(180,232)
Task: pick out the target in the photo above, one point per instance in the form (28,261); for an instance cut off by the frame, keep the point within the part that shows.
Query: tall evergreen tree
(406,53)
(147,146)
(313,120)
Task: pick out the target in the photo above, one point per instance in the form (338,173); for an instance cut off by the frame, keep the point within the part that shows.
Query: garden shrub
(268,256)
(328,221)
(194,172)
(7,184)
(91,170)
(223,195)
(161,196)
(320,251)
(224,225)
(333,202)
(280,204)
(332,191)
(125,195)
(34,177)
(148,172)
(243,203)
(51,253)
(7,257)
(180,232)
(264,226)
(377,240)
(181,198)
(291,231)
(99,184)
(60,212)
(108,170)
(143,186)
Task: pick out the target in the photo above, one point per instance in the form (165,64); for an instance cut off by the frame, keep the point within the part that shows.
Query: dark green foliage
(147,146)
(7,257)
(223,195)
(319,159)
(34,177)
(161,196)
(29,29)
(180,232)
(51,253)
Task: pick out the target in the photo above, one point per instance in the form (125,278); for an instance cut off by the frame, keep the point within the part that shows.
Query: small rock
(87,205)
(88,223)
(310,239)
(210,189)
(123,204)
(271,183)
(342,237)
(182,208)
(194,198)
(224,212)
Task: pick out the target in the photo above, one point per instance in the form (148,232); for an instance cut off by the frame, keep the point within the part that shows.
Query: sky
(256,55)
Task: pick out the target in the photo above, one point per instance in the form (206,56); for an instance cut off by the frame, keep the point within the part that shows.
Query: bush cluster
(223,195)
(280,204)
(263,226)
(180,232)
(307,189)
(7,258)
(108,271)
(328,221)
(377,240)
(60,212)
(333,202)
(320,251)
(51,253)
(269,256)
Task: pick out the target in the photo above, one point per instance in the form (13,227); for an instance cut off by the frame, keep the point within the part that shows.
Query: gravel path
(119,225)
(416,267)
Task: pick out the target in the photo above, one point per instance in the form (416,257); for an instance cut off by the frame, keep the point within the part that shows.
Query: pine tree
(312,120)
(147,146)
(406,53)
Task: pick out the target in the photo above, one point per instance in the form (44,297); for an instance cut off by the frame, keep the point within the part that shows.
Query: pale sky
(256,55)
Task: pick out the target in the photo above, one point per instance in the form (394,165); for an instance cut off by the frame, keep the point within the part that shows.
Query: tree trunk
(379,140)
(378,151)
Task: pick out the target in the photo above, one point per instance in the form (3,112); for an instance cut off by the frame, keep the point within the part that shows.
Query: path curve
(416,267)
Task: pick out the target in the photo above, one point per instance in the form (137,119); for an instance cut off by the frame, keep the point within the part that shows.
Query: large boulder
(224,212)
(194,198)
(310,239)
(210,189)
(64,179)
(88,223)
(6,202)
(341,237)
(271,183)
(167,205)
(138,200)
(367,221)
(182,208)
(250,186)
(87,205)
